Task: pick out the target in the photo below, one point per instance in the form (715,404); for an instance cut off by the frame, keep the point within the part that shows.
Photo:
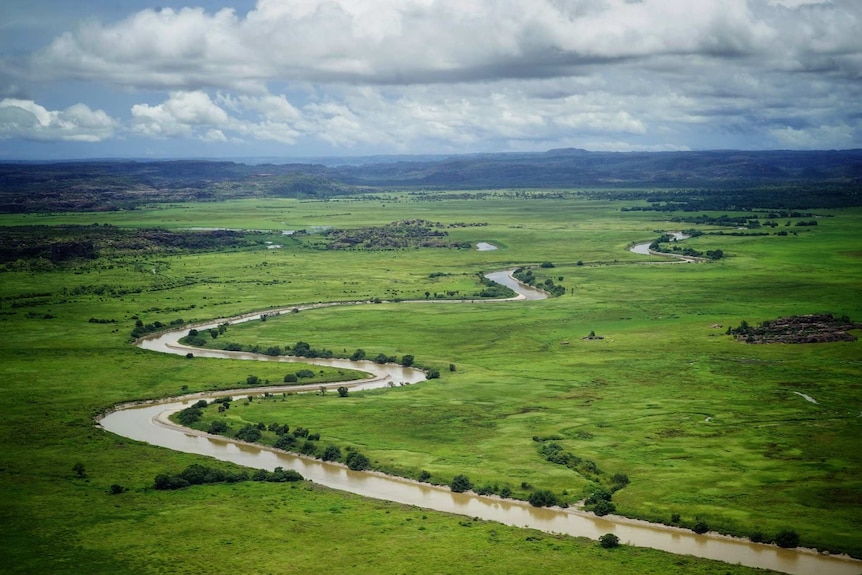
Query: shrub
(603,507)
(290,378)
(543,498)
(218,426)
(331,453)
(460,484)
(787,538)
(609,541)
(356,461)
(424,476)
(700,527)
(343,391)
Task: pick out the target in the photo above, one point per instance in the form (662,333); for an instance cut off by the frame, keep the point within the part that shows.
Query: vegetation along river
(148,422)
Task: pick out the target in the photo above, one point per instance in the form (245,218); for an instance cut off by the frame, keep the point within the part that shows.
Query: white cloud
(419,74)
(183,114)
(397,41)
(28,120)
(818,137)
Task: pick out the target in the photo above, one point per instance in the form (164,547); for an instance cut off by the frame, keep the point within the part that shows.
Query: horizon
(334,78)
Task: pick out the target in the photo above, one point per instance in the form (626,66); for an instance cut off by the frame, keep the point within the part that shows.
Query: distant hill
(112,185)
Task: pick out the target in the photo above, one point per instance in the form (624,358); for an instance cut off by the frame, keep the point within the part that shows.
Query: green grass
(635,402)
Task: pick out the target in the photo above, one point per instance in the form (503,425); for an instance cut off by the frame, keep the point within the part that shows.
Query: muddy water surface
(149,423)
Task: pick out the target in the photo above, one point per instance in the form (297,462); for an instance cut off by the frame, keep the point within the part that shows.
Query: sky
(310,78)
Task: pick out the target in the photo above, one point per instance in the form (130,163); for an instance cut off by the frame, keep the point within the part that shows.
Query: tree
(543,498)
(358,355)
(700,527)
(290,378)
(331,453)
(343,391)
(602,508)
(787,538)
(356,461)
(79,470)
(609,541)
(406,360)
(460,484)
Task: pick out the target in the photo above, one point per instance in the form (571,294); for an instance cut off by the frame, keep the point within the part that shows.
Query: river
(149,423)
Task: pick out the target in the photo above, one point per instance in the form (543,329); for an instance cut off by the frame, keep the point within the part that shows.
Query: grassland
(635,402)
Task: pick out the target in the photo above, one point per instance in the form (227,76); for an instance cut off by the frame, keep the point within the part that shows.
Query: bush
(602,508)
(290,378)
(460,484)
(217,427)
(356,461)
(543,498)
(331,453)
(700,527)
(787,538)
(343,391)
(609,541)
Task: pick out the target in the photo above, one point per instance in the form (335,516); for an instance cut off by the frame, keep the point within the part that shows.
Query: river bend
(148,422)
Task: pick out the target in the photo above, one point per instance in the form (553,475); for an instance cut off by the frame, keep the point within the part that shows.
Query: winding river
(148,422)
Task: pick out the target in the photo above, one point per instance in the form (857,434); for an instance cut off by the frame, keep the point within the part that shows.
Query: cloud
(414,75)
(399,41)
(27,120)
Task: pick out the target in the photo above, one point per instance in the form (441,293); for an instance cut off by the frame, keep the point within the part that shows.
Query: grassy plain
(703,426)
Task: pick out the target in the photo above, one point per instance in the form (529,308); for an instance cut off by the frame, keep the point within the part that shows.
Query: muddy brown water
(149,423)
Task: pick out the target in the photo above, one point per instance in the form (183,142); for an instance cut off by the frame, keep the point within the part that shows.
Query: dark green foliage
(304,374)
(252,380)
(189,415)
(117,489)
(787,538)
(609,541)
(356,461)
(407,360)
(547,265)
(79,470)
(218,427)
(700,527)
(359,354)
(331,453)
(343,391)
(424,476)
(286,442)
(308,448)
(433,373)
(290,378)
(543,498)
(248,433)
(460,483)
(602,508)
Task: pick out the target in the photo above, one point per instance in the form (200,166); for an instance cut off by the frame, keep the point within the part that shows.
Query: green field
(704,427)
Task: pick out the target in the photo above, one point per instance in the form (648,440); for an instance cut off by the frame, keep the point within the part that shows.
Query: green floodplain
(747,439)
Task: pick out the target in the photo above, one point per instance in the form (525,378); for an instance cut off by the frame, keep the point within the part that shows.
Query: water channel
(148,422)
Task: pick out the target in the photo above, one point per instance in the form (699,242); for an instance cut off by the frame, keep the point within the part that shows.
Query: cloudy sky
(300,78)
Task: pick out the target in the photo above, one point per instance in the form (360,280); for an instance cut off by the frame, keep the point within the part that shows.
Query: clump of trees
(525,275)
(198,475)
